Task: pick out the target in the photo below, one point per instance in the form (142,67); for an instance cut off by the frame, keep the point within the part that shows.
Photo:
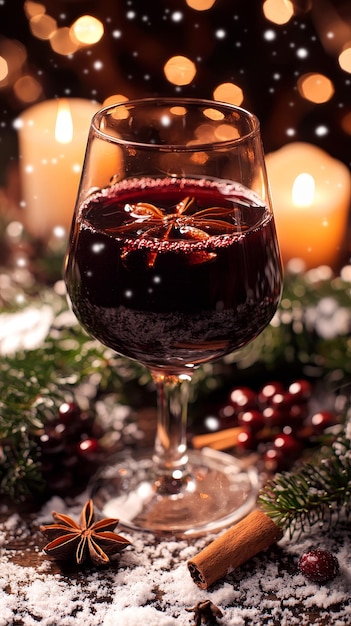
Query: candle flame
(303,190)
(64,123)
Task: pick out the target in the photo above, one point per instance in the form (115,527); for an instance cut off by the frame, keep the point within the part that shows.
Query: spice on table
(86,539)
(256,532)
(219,440)
(205,612)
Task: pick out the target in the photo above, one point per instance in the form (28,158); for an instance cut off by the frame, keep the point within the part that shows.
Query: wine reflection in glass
(173,261)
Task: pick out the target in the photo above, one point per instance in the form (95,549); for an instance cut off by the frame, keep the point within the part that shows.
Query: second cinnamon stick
(256,532)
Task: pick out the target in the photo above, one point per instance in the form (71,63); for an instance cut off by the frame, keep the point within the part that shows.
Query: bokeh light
(43,26)
(226,132)
(345,59)
(278,11)
(287,63)
(4,69)
(178,110)
(114,99)
(180,70)
(27,89)
(62,42)
(14,57)
(346,123)
(200,5)
(33,8)
(228,92)
(213,114)
(87,29)
(315,87)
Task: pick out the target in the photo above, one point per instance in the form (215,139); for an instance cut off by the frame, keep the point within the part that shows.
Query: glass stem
(170,453)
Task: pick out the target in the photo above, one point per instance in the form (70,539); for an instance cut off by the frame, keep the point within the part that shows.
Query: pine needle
(316,493)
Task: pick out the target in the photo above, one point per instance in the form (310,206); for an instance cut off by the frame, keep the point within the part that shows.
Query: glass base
(216,491)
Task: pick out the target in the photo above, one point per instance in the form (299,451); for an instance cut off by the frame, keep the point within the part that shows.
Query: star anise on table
(186,221)
(205,612)
(85,539)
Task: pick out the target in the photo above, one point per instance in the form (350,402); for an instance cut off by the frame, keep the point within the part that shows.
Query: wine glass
(173,261)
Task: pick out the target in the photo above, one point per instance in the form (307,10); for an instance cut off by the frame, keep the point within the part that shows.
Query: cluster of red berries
(70,451)
(276,421)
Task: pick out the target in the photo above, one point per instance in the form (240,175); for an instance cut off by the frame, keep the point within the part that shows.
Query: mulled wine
(172,272)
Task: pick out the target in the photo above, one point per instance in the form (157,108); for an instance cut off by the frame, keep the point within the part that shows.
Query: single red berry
(268,391)
(321,420)
(319,566)
(88,447)
(68,411)
(254,420)
(243,398)
(287,444)
(273,417)
(246,440)
(51,442)
(282,401)
(301,390)
(297,413)
(274,460)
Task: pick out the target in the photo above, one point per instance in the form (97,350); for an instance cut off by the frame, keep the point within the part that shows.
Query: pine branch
(20,475)
(317,493)
(33,384)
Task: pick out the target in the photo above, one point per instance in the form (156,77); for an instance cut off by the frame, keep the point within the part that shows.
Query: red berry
(68,411)
(243,398)
(287,444)
(297,413)
(301,390)
(268,391)
(323,419)
(51,441)
(88,447)
(282,401)
(273,416)
(319,566)
(275,460)
(246,440)
(254,420)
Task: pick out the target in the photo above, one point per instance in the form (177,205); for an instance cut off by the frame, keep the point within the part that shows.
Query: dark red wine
(174,273)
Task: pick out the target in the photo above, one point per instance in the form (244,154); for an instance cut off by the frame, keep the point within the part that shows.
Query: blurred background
(289,62)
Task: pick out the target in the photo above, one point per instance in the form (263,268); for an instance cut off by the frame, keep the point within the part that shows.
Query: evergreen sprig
(316,493)
(33,384)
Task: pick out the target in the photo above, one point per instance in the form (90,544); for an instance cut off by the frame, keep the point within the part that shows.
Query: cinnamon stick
(219,440)
(254,533)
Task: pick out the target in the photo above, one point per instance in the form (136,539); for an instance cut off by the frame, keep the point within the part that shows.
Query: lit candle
(311,194)
(52,141)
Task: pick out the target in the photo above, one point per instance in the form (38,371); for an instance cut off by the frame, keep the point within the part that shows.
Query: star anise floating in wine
(86,539)
(186,221)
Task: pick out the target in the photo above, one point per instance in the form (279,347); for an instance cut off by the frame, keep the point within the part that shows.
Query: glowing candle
(311,194)
(52,140)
